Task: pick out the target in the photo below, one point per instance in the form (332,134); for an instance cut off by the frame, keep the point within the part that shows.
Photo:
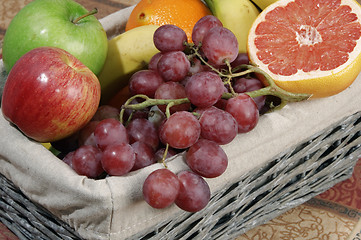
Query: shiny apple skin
(49,94)
(50,23)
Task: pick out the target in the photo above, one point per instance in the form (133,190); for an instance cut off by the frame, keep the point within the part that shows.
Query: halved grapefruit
(308,46)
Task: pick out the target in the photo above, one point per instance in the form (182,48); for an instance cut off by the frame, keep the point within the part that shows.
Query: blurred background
(9,8)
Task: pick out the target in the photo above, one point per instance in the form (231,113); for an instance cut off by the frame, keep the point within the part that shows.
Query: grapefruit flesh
(308,46)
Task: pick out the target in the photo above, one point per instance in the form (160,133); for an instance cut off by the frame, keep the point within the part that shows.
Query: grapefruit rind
(318,83)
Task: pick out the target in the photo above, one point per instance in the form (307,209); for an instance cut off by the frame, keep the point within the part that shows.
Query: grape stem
(165,155)
(148,102)
(271,89)
(242,70)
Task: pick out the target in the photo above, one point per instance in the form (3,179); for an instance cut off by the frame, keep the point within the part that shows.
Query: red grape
(207,158)
(218,125)
(110,131)
(87,161)
(153,62)
(194,193)
(244,110)
(181,130)
(242,85)
(172,90)
(144,155)
(169,37)
(196,67)
(145,82)
(141,129)
(173,66)
(220,44)
(106,111)
(86,134)
(143,113)
(160,188)
(204,89)
(185,80)
(242,58)
(221,104)
(118,159)
(68,158)
(160,153)
(203,26)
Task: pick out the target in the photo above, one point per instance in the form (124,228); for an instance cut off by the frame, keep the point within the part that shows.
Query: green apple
(57,23)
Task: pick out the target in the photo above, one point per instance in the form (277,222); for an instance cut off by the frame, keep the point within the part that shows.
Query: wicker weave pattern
(290,179)
(28,220)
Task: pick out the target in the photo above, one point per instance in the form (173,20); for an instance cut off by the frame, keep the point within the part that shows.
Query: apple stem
(92,12)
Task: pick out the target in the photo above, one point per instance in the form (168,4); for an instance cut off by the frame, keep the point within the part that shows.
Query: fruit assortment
(233,12)
(183,14)
(189,94)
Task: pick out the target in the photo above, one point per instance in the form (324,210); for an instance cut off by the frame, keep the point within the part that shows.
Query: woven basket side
(290,179)
(28,220)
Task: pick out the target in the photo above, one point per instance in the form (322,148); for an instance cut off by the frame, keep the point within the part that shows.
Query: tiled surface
(332,215)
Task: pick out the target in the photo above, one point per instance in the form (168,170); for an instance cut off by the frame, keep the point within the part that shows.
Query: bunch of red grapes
(195,117)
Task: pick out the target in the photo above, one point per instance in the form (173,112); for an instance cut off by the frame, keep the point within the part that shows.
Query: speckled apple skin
(50,94)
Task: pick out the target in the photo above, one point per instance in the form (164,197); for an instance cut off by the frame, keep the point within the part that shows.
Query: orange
(182,13)
(308,46)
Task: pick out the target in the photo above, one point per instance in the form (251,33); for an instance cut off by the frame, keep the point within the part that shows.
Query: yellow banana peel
(128,52)
(262,4)
(46,145)
(237,16)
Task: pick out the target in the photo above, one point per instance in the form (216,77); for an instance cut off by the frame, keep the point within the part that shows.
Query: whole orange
(182,13)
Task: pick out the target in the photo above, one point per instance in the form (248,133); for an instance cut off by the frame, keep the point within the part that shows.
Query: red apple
(49,94)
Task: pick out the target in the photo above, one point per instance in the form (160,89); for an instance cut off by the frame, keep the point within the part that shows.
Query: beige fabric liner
(113,208)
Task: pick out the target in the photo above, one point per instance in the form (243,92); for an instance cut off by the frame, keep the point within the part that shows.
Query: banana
(262,4)
(46,145)
(237,16)
(128,52)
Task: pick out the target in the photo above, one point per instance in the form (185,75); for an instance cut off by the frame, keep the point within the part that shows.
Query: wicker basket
(290,179)
(241,200)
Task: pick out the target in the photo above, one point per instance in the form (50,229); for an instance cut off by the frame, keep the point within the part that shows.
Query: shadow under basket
(288,180)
